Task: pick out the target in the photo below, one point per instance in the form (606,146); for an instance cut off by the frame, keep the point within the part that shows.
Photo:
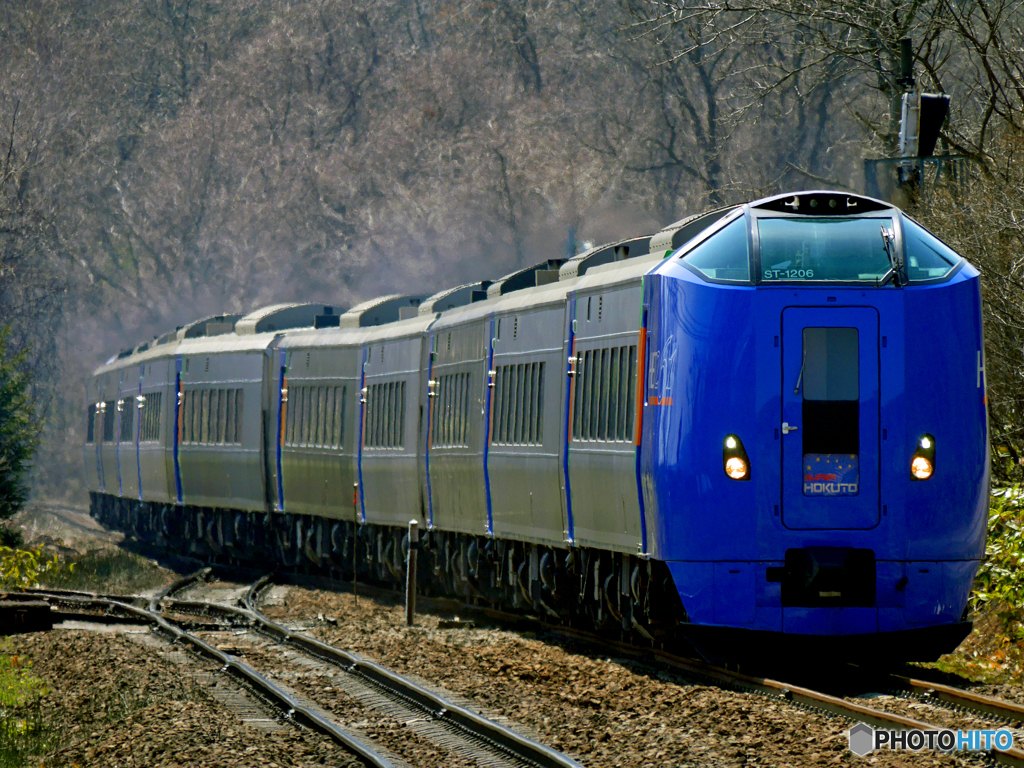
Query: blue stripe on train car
(138,429)
(426,436)
(571,366)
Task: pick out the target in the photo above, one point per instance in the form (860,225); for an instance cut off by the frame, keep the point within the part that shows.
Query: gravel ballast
(115,703)
(601,711)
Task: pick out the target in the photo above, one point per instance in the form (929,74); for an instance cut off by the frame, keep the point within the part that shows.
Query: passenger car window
(90,436)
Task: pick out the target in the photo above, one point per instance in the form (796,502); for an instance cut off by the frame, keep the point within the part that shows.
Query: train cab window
(725,255)
(927,257)
(846,250)
(830,378)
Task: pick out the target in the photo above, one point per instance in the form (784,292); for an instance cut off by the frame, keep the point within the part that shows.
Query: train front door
(829,426)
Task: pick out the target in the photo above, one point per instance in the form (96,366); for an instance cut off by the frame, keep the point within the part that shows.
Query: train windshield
(847,250)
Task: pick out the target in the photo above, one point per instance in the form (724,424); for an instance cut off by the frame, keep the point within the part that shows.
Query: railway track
(456,729)
(934,695)
(121,608)
(948,706)
(990,708)
(925,705)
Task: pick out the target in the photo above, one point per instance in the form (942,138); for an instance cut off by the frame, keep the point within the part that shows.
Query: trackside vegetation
(23,568)
(23,731)
(19,427)
(1000,580)
(994,651)
(112,571)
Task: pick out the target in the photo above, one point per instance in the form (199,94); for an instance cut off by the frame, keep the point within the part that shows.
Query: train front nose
(848,366)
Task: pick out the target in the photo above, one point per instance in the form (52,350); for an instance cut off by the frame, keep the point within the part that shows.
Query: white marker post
(410,573)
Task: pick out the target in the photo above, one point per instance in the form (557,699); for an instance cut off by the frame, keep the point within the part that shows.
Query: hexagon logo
(862,739)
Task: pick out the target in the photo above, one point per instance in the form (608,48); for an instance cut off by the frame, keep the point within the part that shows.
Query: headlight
(922,465)
(921,468)
(736,468)
(734,458)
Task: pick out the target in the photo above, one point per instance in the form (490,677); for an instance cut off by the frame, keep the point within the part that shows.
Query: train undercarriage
(620,595)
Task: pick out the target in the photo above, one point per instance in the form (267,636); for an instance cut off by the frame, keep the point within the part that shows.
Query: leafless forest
(166,159)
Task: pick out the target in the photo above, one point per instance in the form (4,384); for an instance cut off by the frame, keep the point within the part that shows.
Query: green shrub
(23,732)
(1000,580)
(22,568)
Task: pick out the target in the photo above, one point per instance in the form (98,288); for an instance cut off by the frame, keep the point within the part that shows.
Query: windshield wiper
(895,273)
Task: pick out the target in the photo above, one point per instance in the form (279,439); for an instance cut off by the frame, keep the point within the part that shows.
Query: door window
(830,384)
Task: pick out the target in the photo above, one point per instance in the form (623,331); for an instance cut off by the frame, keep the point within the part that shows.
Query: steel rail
(988,705)
(1013,756)
(183,583)
(27,593)
(940,693)
(437,707)
(808,697)
(293,710)
(957,697)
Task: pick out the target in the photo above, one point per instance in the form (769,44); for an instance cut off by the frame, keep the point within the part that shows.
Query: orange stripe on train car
(641,385)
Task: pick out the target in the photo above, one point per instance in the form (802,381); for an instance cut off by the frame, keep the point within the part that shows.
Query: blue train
(760,430)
